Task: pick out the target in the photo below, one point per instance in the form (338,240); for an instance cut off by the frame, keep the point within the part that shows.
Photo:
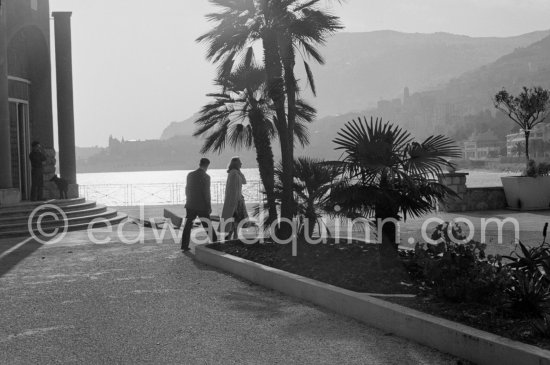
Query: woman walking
(234,206)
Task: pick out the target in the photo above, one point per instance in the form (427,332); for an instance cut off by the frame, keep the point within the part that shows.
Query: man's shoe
(185,249)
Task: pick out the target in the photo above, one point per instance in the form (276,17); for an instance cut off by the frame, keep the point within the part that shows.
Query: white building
(483,146)
(539,142)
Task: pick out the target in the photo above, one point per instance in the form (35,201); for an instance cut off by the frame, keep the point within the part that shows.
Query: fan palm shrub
(313,180)
(386,174)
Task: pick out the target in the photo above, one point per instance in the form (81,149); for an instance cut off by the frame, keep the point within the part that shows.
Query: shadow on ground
(9,259)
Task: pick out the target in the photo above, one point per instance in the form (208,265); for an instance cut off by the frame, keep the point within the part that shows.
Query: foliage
(386,174)
(533,260)
(529,108)
(458,271)
(285,28)
(541,326)
(312,182)
(528,294)
(533,169)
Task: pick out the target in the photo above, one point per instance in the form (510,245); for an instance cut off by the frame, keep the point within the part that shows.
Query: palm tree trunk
(264,157)
(276,92)
(389,245)
(287,56)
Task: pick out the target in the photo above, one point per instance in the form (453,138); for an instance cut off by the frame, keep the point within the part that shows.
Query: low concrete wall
(450,337)
(487,198)
(490,198)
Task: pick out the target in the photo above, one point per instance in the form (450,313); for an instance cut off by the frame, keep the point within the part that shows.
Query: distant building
(483,146)
(26,95)
(539,142)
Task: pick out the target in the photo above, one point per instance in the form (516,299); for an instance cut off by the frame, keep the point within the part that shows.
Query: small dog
(62,186)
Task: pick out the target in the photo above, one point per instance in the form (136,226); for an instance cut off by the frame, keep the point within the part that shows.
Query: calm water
(475,178)
(155,177)
(168,187)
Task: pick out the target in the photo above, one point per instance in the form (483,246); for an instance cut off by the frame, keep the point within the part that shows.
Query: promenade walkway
(79,302)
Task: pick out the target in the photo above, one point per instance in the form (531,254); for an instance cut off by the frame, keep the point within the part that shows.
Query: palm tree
(301,26)
(242,115)
(385,174)
(312,183)
(241,23)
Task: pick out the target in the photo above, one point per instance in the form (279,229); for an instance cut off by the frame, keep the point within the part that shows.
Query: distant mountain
(526,66)
(362,68)
(457,109)
(182,128)
(176,153)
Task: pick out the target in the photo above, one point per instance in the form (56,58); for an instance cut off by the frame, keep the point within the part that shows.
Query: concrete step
(31,205)
(109,216)
(8,224)
(18,212)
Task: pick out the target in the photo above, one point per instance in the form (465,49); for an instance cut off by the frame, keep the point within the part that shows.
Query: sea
(168,187)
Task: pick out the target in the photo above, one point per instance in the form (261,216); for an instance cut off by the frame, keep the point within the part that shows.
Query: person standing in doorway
(37,157)
(198,203)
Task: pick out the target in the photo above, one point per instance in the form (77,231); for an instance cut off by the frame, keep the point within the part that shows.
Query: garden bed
(358,266)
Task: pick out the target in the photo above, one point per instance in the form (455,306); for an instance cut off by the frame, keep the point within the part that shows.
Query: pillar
(456,181)
(5,145)
(65,109)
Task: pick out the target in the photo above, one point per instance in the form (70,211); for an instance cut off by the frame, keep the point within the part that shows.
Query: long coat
(233,193)
(197,191)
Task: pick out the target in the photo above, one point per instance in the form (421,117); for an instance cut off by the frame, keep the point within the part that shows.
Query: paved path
(529,225)
(147,303)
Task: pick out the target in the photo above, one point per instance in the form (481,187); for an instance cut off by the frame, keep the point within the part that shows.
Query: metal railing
(160,193)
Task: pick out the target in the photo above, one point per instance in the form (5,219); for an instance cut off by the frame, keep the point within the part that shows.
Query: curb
(462,341)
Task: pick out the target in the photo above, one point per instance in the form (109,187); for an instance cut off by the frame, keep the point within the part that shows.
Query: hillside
(363,68)
(177,153)
(182,128)
(457,109)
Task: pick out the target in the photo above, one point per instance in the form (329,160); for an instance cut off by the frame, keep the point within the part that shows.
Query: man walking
(197,193)
(37,157)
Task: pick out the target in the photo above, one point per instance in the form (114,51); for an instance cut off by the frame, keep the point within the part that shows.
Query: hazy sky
(136,66)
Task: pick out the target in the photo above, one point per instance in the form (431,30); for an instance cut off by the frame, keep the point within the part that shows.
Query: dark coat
(197,191)
(37,158)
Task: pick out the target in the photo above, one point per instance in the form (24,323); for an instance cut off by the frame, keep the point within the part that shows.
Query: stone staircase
(75,214)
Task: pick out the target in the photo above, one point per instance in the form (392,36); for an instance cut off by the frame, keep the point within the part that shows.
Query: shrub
(529,292)
(528,295)
(541,326)
(459,272)
(533,169)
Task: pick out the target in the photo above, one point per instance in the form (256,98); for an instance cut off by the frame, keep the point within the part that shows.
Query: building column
(65,110)
(5,145)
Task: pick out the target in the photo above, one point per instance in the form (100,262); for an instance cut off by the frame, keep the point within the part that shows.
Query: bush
(459,272)
(533,169)
(529,292)
(541,326)
(528,295)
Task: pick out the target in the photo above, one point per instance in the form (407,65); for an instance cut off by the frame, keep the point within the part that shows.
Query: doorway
(20,146)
